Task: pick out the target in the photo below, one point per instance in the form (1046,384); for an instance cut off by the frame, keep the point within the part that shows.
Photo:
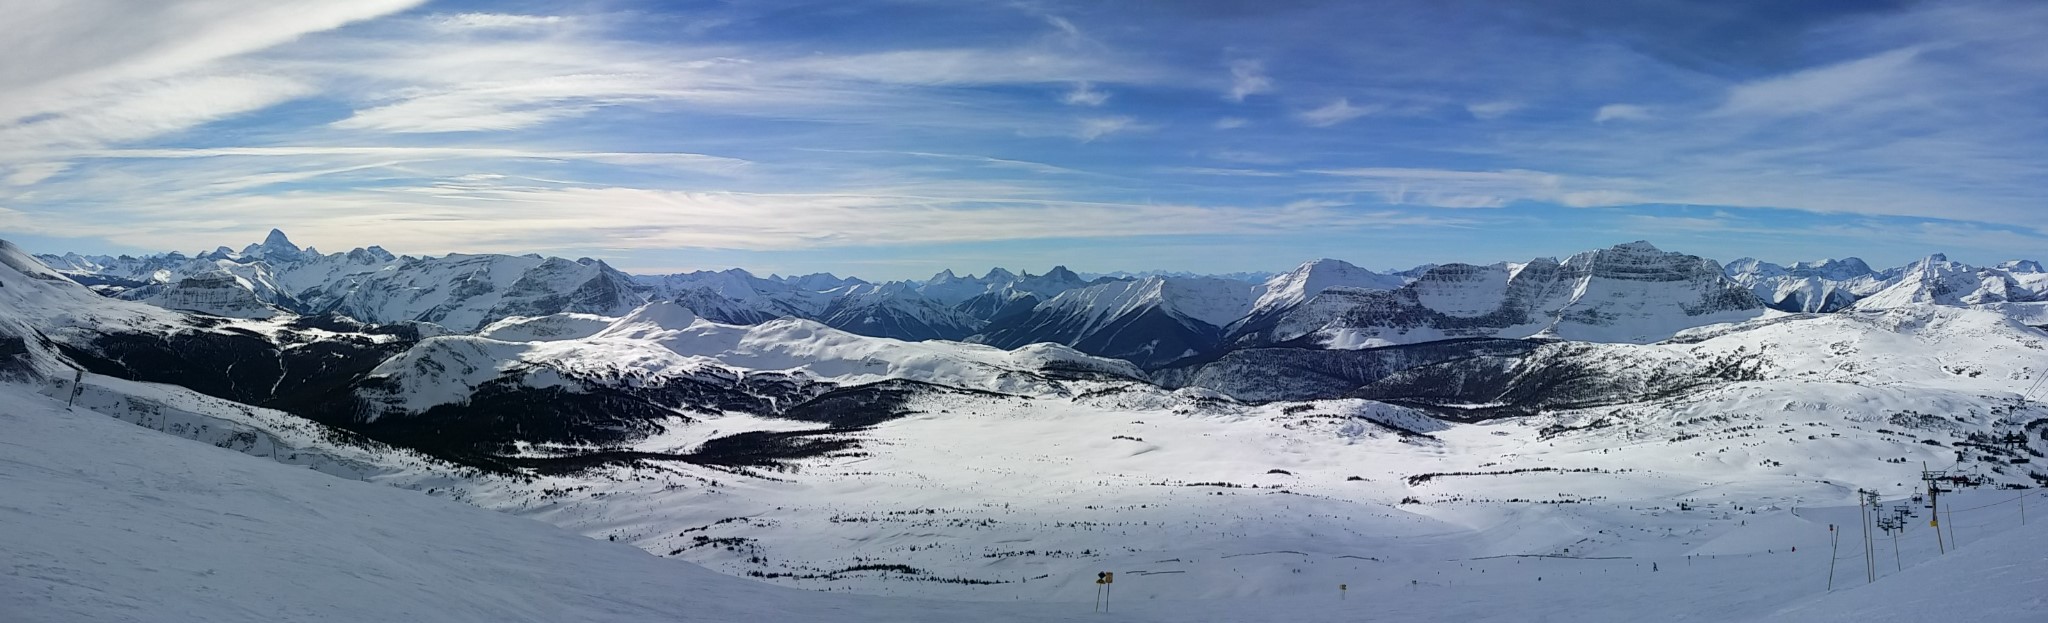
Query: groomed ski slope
(107,521)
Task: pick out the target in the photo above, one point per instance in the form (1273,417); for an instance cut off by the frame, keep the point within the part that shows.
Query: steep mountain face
(1312,278)
(218,293)
(999,308)
(1149,322)
(1286,373)
(467,292)
(1629,293)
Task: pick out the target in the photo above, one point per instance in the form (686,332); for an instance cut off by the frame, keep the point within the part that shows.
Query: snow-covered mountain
(1942,282)
(1150,321)
(1835,285)
(897,310)
(1312,278)
(1629,293)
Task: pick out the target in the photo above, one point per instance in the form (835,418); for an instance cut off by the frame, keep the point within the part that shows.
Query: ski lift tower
(1934,491)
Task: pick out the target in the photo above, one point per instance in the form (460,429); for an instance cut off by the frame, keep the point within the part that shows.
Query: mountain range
(1628,293)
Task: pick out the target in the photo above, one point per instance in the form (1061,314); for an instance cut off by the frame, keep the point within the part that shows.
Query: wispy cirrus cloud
(1084,94)
(1478,189)
(1623,112)
(1870,80)
(540,216)
(1335,112)
(280,112)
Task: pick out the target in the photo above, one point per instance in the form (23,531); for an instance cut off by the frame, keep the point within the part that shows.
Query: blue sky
(895,138)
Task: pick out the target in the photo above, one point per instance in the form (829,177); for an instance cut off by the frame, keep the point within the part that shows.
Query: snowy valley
(1544,433)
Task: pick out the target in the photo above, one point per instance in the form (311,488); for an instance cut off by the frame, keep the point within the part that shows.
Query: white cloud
(1334,113)
(1247,78)
(1224,172)
(1493,110)
(479,216)
(1444,188)
(1825,88)
(85,74)
(1084,94)
(1098,127)
(1231,123)
(1622,112)
(495,21)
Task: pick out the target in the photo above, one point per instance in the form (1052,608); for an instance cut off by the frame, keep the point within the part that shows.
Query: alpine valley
(1003,436)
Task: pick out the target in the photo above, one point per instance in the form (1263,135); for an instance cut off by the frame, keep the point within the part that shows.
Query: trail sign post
(1102,581)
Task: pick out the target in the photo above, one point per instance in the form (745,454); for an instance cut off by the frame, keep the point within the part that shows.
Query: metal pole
(1895,549)
(1952,527)
(1863,513)
(1834,546)
(77,387)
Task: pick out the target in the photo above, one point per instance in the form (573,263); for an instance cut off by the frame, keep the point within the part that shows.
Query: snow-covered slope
(2002,577)
(663,343)
(105,521)
(108,521)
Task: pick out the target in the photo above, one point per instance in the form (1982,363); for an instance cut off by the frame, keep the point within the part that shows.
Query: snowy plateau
(1626,434)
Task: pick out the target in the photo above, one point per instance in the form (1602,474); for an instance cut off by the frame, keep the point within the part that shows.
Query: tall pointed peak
(277,239)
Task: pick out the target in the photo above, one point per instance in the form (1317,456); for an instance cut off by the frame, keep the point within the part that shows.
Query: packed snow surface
(108,521)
